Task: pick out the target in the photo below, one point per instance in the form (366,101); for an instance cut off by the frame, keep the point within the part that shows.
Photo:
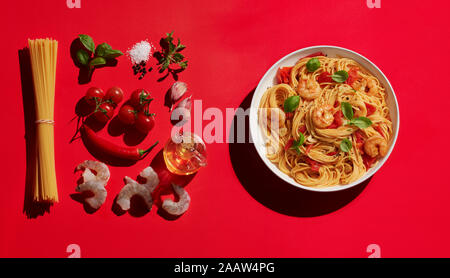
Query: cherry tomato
(93,94)
(140,98)
(114,95)
(104,113)
(144,122)
(127,114)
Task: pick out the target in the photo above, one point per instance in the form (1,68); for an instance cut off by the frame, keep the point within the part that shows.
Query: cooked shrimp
(100,168)
(373,87)
(97,188)
(376,145)
(366,85)
(180,207)
(129,190)
(323,116)
(361,110)
(308,89)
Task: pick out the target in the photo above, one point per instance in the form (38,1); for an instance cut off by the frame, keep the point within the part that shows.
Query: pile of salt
(139,55)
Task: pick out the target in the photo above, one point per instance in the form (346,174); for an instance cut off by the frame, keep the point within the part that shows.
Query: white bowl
(269,79)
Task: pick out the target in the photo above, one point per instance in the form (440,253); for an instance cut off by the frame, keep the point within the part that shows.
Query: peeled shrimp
(94,183)
(100,168)
(129,190)
(142,189)
(376,145)
(323,116)
(180,207)
(308,89)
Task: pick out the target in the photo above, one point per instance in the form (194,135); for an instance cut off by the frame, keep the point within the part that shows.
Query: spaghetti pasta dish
(326,122)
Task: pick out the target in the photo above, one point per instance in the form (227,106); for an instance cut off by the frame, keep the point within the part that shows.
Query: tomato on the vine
(104,113)
(145,122)
(94,95)
(114,95)
(140,98)
(127,114)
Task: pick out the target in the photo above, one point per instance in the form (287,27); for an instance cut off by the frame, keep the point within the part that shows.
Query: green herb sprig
(170,56)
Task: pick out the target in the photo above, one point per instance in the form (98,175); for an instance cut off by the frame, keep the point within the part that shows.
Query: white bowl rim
(254,126)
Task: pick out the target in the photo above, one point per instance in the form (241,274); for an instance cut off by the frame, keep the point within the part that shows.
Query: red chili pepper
(352,76)
(315,166)
(332,153)
(283,75)
(126,153)
(370,108)
(324,77)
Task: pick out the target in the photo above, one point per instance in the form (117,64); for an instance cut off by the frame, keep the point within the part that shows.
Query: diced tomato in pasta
(370,108)
(352,76)
(338,121)
(368,161)
(289,144)
(380,131)
(302,128)
(315,166)
(283,75)
(324,77)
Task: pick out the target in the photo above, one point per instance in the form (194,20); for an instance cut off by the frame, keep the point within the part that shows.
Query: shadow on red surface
(274,193)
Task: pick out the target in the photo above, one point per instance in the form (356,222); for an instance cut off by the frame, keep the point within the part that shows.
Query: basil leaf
(83,57)
(97,62)
(361,122)
(313,64)
(347,110)
(346,145)
(300,141)
(88,42)
(112,53)
(340,76)
(101,49)
(291,103)
(296,144)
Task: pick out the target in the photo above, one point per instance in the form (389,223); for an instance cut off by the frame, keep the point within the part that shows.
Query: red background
(230,44)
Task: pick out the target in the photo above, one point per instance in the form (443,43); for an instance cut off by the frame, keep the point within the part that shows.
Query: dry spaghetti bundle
(43,53)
